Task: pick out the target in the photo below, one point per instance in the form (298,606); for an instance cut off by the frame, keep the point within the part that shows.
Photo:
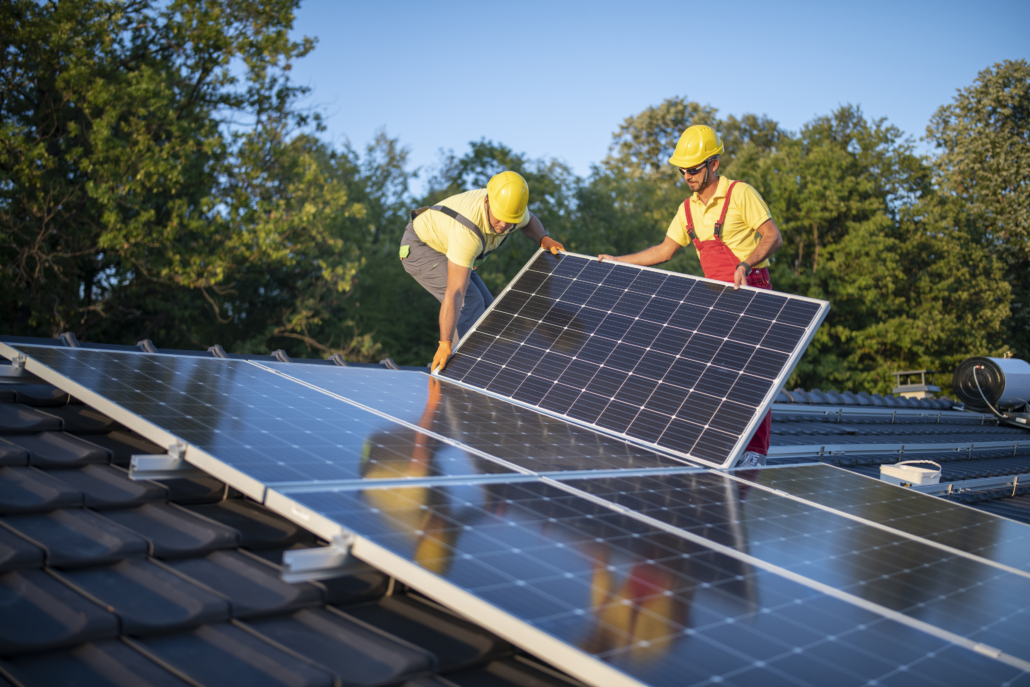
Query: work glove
(547,243)
(443,353)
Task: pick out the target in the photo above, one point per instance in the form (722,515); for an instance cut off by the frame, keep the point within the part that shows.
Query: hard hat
(697,144)
(509,195)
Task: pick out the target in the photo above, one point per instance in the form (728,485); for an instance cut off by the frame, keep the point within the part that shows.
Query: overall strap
(461,219)
(725,207)
(690,220)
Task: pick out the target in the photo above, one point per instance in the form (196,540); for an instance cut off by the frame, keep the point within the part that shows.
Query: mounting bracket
(171,465)
(322,562)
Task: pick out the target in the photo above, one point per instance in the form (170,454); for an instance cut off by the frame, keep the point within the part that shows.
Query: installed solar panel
(962,595)
(671,360)
(665,610)
(613,596)
(935,519)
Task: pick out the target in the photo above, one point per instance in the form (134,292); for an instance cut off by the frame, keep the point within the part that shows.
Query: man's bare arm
(769,244)
(654,255)
(534,231)
(453,299)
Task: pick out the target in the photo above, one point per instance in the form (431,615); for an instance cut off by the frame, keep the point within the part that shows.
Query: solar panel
(666,359)
(518,435)
(963,595)
(665,610)
(935,519)
(611,591)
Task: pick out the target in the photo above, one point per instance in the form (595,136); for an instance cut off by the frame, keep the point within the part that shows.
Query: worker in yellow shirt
(731,228)
(443,244)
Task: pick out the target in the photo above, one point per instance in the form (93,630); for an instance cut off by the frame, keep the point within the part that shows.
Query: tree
(983,139)
(150,170)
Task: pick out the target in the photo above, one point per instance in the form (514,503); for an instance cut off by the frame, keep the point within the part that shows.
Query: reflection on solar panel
(667,359)
(936,520)
(693,578)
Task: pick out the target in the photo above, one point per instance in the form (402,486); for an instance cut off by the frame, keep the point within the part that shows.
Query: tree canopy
(159,179)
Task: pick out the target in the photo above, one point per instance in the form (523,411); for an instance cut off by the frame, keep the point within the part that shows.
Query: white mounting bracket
(322,562)
(171,465)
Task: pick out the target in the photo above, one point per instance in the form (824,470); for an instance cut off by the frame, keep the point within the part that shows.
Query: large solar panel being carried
(679,362)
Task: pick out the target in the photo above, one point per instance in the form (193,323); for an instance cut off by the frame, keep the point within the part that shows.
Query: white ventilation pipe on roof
(1000,382)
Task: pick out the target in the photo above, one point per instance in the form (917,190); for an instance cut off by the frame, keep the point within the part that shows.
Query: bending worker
(443,244)
(729,225)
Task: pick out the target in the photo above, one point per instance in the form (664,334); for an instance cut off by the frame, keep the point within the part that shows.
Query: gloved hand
(547,243)
(443,353)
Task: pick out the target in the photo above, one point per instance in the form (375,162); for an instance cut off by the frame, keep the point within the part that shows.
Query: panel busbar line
(611,654)
(666,359)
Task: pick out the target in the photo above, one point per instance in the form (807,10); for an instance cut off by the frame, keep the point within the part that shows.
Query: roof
(106,580)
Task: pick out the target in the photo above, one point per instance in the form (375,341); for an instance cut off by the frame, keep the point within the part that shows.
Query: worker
(731,228)
(443,245)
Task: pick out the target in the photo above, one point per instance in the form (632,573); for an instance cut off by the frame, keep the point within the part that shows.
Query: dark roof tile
(12,455)
(17,553)
(259,528)
(454,642)
(80,419)
(509,672)
(252,585)
(355,653)
(224,654)
(174,532)
(39,395)
(28,490)
(16,418)
(75,537)
(148,598)
(37,612)
(60,450)
(98,664)
(106,486)
(124,444)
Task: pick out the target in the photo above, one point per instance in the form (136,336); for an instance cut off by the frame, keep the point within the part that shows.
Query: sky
(555,79)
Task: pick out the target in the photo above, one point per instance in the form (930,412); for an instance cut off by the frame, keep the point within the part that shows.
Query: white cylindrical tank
(1004,382)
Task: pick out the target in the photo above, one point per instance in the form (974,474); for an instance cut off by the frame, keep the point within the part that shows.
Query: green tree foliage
(983,140)
(151,182)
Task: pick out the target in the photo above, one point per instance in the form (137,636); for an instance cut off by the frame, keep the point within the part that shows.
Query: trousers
(428,267)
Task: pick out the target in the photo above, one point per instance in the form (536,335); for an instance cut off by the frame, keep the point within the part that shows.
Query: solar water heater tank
(1004,382)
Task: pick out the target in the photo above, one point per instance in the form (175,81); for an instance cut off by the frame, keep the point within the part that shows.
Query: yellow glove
(547,243)
(442,355)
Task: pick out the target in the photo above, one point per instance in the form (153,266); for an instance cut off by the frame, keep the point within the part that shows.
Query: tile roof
(109,581)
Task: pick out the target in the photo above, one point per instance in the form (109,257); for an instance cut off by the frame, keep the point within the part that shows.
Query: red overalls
(719,262)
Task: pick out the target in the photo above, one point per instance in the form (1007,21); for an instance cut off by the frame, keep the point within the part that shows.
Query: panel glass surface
(664,358)
(930,517)
(660,608)
(268,427)
(965,596)
(519,435)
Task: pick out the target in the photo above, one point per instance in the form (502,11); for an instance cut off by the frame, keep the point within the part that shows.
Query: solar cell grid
(962,595)
(678,362)
(663,609)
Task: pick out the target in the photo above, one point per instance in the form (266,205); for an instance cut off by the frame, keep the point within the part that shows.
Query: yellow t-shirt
(454,239)
(747,212)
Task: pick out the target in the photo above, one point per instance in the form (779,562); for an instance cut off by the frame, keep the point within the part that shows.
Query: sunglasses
(694,170)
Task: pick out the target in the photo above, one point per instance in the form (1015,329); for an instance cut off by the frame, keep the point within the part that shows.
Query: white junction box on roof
(908,474)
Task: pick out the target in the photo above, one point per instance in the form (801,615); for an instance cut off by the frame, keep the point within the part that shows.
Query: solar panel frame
(617,417)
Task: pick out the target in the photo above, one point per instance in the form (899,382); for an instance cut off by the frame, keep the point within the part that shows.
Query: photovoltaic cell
(665,610)
(962,595)
(679,362)
(935,519)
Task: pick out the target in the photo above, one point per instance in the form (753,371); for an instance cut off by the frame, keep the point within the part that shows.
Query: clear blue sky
(554,79)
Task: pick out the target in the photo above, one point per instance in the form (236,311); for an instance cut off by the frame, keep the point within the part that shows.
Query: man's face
(695,180)
(498,226)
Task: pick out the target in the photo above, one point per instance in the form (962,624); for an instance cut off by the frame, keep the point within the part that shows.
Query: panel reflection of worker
(731,228)
(444,243)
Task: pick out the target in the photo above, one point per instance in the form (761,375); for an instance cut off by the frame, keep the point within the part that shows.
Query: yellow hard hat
(509,195)
(697,144)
